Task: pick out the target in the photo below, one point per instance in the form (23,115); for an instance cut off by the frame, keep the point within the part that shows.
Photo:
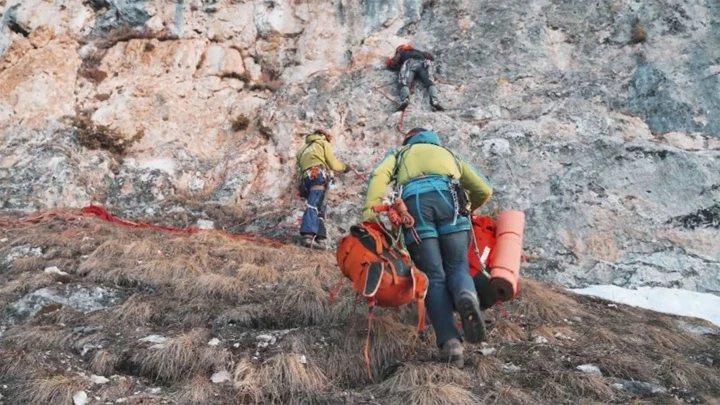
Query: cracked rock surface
(600,121)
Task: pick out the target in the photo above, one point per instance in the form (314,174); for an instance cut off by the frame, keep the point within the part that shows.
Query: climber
(435,187)
(315,165)
(410,63)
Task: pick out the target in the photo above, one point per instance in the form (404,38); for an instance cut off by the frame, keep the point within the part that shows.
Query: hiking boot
(311,241)
(403,105)
(436,106)
(472,322)
(451,352)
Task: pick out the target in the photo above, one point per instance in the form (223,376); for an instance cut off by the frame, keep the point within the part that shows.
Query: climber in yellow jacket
(315,165)
(435,186)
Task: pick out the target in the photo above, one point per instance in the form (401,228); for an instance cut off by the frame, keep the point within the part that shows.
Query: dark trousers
(313,220)
(444,259)
(411,70)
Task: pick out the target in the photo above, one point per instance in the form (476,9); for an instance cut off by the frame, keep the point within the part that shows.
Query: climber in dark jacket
(411,63)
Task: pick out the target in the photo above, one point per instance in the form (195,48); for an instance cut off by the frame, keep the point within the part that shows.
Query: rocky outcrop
(601,122)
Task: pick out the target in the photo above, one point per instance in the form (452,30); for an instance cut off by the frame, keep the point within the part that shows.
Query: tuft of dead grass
(241,122)
(581,385)
(104,362)
(514,396)
(136,310)
(539,302)
(181,356)
(434,394)
(95,136)
(415,375)
(54,390)
(679,372)
(507,331)
(282,378)
(44,337)
(252,274)
(212,286)
(198,391)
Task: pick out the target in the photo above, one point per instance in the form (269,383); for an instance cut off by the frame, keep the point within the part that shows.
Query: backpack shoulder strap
(398,160)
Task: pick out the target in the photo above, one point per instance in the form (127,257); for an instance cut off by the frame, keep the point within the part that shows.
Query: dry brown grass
(540,302)
(433,394)
(514,396)
(679,372)
(487,368)
(507,331)
(39,338)
(252,274)
(280,379)
(104,362)
(137,310)
(54,390)
(581,385)
(181,356)
(198,391)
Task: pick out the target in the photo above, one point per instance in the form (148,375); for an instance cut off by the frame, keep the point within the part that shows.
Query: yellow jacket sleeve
(478,187)
(330,159)
(379,180)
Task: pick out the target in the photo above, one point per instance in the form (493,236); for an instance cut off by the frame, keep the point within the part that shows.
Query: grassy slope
(191,289)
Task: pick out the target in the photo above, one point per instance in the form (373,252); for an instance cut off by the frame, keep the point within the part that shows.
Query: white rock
(266,338)
(497,146)
(80,398)
(540,339)
(221,377)
(214,342)
(98,379)
(303,359)
(590,369)
(55,270)
(154,339)
(155,391)
(236,345)
(205,224)
(120,400)
(486,351)
(3,240)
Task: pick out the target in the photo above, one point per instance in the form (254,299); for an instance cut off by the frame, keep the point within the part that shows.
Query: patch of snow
(98,379)
(205,224)
(486,351)
(590,369)
(667,300)
(80,398)
(266,338)
(510,367)
(154,339)
(54,270)
(221,377)
(214,342)
(155,391)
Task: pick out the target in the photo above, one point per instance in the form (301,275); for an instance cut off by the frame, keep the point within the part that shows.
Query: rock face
(601,122)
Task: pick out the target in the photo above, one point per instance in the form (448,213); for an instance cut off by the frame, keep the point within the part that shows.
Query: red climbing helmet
(412,133)
(404,47)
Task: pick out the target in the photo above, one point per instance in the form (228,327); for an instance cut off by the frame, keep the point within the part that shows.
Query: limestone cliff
(600,120)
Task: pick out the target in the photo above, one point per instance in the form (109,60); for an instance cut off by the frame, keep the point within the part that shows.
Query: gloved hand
(347,168)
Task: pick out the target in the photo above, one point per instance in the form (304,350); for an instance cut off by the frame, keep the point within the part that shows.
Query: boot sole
(455,360)
(473,324)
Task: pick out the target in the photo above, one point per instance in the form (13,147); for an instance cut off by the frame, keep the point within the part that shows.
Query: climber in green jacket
(435,186)
(315,165)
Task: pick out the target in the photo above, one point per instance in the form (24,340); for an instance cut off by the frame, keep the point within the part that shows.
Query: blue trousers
(444,259)
(313,220)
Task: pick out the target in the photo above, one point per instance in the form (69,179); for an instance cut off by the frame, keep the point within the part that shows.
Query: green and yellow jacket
(424,158)
(317,151)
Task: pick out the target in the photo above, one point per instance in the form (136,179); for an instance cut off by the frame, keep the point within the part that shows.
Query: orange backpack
(380,273)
